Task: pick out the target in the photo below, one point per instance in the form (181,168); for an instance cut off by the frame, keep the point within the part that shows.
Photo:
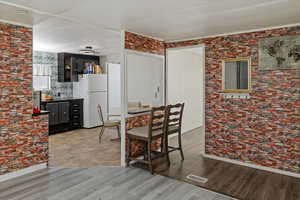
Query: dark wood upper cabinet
(71,65)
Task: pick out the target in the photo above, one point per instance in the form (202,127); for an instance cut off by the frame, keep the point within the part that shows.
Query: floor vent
(195,178)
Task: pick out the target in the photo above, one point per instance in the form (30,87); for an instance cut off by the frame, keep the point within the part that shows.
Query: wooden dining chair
(108,124)
(146,135)
(173,125)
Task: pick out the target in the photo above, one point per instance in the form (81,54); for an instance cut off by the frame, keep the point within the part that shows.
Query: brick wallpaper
(263,130)
(23,138)
(141,43)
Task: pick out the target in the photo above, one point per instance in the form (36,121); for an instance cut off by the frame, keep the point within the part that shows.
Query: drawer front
(76,124)
(77,113)
(76,117)
(75,104)
(77,107)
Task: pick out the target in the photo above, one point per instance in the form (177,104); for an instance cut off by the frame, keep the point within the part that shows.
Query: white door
(185,84)
(114,88)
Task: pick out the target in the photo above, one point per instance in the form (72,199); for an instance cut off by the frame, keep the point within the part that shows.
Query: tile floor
(82,148)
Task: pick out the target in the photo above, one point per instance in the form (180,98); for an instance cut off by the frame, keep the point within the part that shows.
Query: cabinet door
(64,112)
(61,68)
(64,67)
(53,116)
(75,69)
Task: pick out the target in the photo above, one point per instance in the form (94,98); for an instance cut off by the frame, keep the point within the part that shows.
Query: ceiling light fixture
(89,50)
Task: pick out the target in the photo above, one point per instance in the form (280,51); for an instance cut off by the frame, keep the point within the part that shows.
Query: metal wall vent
(196,178)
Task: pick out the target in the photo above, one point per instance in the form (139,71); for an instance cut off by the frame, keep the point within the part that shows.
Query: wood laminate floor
(100,183)
(234,180)
(82,148)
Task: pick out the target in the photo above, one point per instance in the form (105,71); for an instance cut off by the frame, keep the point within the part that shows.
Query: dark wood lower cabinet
(53,116)
(64,114)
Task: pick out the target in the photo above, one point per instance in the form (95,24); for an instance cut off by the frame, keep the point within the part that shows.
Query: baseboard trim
(184,133)
(269,169)
(22,172)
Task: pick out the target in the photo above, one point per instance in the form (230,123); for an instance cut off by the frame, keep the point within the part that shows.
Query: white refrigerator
(93,89)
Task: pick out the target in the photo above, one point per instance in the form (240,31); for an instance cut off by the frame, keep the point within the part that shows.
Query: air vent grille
(196,178)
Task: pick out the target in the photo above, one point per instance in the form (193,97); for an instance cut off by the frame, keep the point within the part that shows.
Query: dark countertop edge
(137,115)
(66,99)
(139,112)
(43,112)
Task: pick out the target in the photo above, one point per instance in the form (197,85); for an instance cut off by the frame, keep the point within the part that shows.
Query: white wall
(185,84)
(145,78)
(114,87)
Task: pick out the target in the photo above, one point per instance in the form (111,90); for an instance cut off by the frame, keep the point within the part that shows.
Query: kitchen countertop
(132,112)
(43,112)
(62,99)
(138,112)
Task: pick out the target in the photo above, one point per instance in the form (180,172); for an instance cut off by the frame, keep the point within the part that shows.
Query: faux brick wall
(144,44)
(263,130)
(23,138)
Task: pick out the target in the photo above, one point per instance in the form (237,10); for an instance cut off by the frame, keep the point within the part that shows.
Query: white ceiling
(52,32)
(68,24)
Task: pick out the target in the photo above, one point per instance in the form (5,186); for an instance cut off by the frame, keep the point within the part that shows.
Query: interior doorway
(185,83)
(72,76)
(114,90)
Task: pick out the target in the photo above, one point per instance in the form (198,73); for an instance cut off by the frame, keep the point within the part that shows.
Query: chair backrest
(100,113)
(174,118)
(157,120)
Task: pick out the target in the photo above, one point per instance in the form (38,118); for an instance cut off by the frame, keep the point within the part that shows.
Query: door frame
(123,100)
(107,68)
(203,84)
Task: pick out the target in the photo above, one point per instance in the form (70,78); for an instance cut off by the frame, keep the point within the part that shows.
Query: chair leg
(166,149)
(119,135)
(145,151)
(180,146)
(101,133)
(128,155)
(162,144)
(149,157)
(118,129)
